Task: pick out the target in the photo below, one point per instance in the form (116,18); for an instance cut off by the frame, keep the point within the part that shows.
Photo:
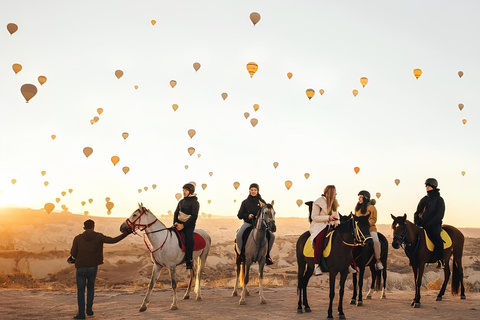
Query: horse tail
(242,273)
(378,280)
(455,279)
(301,263)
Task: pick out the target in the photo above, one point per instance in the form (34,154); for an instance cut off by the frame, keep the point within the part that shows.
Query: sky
(397,127)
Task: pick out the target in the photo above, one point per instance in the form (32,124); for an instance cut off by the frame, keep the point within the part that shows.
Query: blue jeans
(85,277)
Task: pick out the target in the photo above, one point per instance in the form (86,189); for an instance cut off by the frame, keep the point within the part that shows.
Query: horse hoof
(359,303)
(299,311)
(369,297)
(234,294)
(199,298)
(353,301)
(438,299)
(263,301)
(416,305)
(241,302)
(143,308)
(173,307)
(342,316)
(330,317)
(463,297)
(307,309)
(186,297)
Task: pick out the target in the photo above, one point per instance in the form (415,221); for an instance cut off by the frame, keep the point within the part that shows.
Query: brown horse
(412,239)
(352,232)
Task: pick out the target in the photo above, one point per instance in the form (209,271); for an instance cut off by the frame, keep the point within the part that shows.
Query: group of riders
(324,215)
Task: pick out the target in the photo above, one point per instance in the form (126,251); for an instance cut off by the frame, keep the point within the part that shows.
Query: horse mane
(310,205)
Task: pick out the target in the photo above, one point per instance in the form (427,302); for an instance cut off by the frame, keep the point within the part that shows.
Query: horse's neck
(156,237)
(259,224)
(412,233)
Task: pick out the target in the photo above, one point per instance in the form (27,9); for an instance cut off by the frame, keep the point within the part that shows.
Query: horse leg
(418,285)
(332,276)
(415,280)
(307,276)
(244,276)
(372,286)
(343,278)
(261,264)
(360,286)
(383,295)
(300,282)
(174,288)
(446,277)
(235,287)
(155,273)
(354,296)
(190,283)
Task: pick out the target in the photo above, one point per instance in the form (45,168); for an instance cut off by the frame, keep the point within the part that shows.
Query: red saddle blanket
(198,239)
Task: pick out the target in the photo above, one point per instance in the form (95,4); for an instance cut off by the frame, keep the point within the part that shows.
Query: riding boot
(189,264)
(318,270)
(269,260)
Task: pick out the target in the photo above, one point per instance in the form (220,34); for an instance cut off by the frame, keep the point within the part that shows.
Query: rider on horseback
(429,215)
(248,211)
(184,219)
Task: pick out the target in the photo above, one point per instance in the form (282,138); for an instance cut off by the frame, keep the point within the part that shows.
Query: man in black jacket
(429,215)
(184,220)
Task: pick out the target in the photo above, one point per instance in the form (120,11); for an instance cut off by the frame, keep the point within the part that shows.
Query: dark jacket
(190,206)
(87,248)
(430,210)
(251,205)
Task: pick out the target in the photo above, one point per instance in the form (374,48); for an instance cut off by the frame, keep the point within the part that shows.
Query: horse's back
(455,234)
(204,235)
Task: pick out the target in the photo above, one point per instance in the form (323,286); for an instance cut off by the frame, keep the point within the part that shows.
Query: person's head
(254,189)
(89,224)
(431,184)
(330,193)
(363,200)
(188,189)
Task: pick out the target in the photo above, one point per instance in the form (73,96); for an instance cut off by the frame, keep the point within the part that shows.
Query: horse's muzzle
(395,244)
(123,228)
(272,226)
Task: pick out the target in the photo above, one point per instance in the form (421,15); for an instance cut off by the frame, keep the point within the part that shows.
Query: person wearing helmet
(184,219)
(365,207)
(429,215)
(248,211)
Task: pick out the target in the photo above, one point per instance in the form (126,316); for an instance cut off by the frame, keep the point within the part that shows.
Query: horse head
(399,227)
(267,215)
(140,219)
(362,228)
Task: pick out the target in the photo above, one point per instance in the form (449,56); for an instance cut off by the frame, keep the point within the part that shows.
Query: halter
(133,224)
(267,228)
(406,246)
(358,236)
(401,238)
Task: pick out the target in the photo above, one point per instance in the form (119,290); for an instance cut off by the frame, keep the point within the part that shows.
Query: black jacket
(430,210)
(251,205)
(190,206)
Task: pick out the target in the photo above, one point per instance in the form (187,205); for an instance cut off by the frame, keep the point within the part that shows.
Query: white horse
(166,252)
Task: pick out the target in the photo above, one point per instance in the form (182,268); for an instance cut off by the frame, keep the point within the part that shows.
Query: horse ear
(262,205)
(273,201)
(405,216)
(139,205)
(393,217)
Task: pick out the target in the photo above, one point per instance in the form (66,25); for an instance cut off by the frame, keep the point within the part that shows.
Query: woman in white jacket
(324,213)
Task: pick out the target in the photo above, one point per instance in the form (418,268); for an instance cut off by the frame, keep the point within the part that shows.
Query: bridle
(358,236)
(264,222)
(401,238)
(136,223)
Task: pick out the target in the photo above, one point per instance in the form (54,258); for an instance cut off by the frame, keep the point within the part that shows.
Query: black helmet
(365,194)
(431,182)
(254,185)
(190,187)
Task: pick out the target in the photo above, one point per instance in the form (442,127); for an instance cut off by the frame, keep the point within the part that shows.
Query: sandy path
(217,304)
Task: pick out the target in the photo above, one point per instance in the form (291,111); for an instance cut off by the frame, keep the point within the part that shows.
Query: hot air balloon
(364,81)
(57,200)
(173,83)
(397,181)
(204,186)
(92,121)
(275,165)
(43,173)
(356,169)
(255,17)
(125,135)
(63,193)
(115,160)
(299,203)
(196,66)
(107,199)
(28,91)
(417,73)
(14,181)
(310,93)
(464,121)
(17,67)
(175,107)
(64,207)
(12,28)
(125,169)
(321,92)
(463,173)
(49,207)
(224,96)
(95,119)
(42,80)
(199,155)
(256,107)
(87,151)
(85,213)
(460,106)
(194,183)
(90,200)
(145,188)
(252,67)
(119,74)
(378,194)
(246,115)
(236,185)
(186,166)
(191,133)
(288,184)
(83,203)
(289,75)
(99,111)
(53,137)
(191,150)
(355,92)
(178,196)
(153,22)
(254,122)
(45,183)
(210,174)
(136,87)
(460,74)
(307,175)
(109,206)
(209,201)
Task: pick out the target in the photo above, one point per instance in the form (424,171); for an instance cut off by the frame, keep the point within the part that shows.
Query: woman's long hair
(332,203)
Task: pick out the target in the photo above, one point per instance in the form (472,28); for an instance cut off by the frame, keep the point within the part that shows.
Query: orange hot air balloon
(178,196)
(57,200)
(236,185)
(191,133)
(193,182)
(85,213)
(254,122)
(90,200)
(322,92)
(310,93)
(99,111)
(125,169)
(460,74)
(45,183)
(224,96)
(109,206)
(246,115)
(417,73)
(256,107)
(204,186)
(186,167)
(307,175)
(210,174)
(63,193)
(191,150)
(115,160)
(70,190)
(92,121)
(154,186)
(42,80)
(136,87)
(299,203)
(255,17)
(464,121)
(173,83)
(107,199)
(14,181)
(209,201)
(95,119)
(364,81)
(460,106)
(289,75)
(288,184)
(139,190)
(125,135)
(87,151)
(199,155)
(83,203)
(17,67)
(28,91)
(49,207)
(153,22)
(119,74)
(355,92)
(397,181)
(12,28)
(275,165)
(64,207)
(145,188)
(378,194)
(53,137)
(196,66)
(252,67)
(43,173)
(175,107)
(463,173)
(356,169)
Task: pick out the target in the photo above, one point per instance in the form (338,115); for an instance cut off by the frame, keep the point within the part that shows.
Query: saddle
(198,239)
(327,246)
(447,241)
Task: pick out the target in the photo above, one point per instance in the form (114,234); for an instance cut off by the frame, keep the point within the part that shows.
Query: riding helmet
(254,185)
(190,187)
(431,182)
(365,194)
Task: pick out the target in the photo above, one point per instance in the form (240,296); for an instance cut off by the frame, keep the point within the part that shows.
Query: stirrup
(440,264)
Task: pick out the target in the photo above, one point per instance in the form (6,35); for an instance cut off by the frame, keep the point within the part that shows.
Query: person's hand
(179,226)
(250,216)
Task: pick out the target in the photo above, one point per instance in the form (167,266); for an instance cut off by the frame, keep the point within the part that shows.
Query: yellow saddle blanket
(446,238)
(308,249)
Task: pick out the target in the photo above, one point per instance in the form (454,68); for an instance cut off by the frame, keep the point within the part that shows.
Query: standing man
(429,215)
(87,252)
(184,220)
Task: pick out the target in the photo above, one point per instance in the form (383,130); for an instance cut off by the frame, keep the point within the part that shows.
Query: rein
(357,234)
(406,246)
(263,231)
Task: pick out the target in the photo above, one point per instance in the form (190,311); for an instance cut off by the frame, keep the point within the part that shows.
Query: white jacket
(320,217)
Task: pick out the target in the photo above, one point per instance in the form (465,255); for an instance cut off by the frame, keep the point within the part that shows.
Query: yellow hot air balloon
(17,67)
(378,194)
(236,185)
(145,188)
(43,173)
(125,135)
(417,73)
(191,133)
(356,169)
(87,151)
(275,165)
(210,174)
(115,160)
(153,22)
(254,122)
(109,212)
(460,106)
(246,115)
(53,137)
(154,186)
(107,199)
(310,93)
(109,206)
(255,17)
(175,107)
(255,107)
(85,213)
(49,207)
(191,150)
(63,193)
(193,182)
(99,111)
(42,80)
(125,169)
(119,74)
(12,28)
(28,91)
(289,75)
(204,186)
(14,181)
(173,83)
(57,200)
(178,196)
(299,203)
(92,121)
(234,200)
(252,67)
(209,201)
(90,200)
(45,183)
(306,175)
(464,121)
(460,74)
(199,155)
(322,92)
(83,203)
(364,81)
(186,167)
(397,181)
(95,119)
(196,66)
(463,173)
(288,184)
(136,87)
(355,92)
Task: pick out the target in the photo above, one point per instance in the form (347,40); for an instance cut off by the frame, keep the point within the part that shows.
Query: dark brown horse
(412,239)
(351,232)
